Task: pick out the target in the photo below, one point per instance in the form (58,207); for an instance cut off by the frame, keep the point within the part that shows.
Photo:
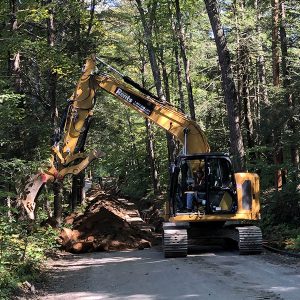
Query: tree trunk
(186,62)
(179,80)
(14,60)
(134,156)
(50,27)
(92,15)
(178,68)
(78,41)
(239,65)
(172,149)
(77,193)
(74,193)
(154,65)
(13,5)
(262,92)
(150,138)
(151,157)
(9,212)
(277,143)
(164,74)
(245,82)
(52,75)
(54,120)
(58,197)
(286,85)
(275,48)
(236,145)
(150,48)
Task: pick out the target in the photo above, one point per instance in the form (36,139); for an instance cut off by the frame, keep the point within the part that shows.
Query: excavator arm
(164,115)
(68,149)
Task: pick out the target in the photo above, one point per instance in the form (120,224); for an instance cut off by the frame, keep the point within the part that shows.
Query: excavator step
(175,240)
(249,239)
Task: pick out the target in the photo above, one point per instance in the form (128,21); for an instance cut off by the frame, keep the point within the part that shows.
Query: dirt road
(147,275)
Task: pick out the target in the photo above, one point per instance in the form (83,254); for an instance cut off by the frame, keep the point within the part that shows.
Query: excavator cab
(203,184)
(200,206)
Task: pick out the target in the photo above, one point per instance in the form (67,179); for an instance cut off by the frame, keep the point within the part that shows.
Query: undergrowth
(281,217)
(22,251)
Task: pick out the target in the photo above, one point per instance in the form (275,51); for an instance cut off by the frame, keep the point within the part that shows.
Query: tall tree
(230,94)
(52,90)
(14,59)
(245,96)
(151,157)
(275,39)
(186,62)
(277,143)
(262,92)
(179,80)
(286,82)
(148,29)
(149,130)
(243,71)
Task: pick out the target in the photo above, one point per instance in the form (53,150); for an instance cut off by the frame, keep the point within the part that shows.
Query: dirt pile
(108,223)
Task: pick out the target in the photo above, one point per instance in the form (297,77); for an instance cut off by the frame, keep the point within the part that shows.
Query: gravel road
(145,274)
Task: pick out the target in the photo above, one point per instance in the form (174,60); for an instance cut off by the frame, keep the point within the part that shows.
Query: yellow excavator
(207,199)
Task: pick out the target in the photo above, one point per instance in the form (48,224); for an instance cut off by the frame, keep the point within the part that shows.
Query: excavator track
(175,240)
(177,237)
(249,239)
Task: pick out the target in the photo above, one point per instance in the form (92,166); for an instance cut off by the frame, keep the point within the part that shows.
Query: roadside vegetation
(280,217)
(23,248)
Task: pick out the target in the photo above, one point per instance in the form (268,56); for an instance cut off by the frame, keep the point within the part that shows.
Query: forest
(230,65)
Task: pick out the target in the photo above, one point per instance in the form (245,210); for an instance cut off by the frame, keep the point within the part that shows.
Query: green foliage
(282,207)
(293,243)
(296,241)
(22,250)
(122,138)
(280,215)
(284,236)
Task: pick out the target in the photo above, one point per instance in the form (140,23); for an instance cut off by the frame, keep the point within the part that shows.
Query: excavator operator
(196,191)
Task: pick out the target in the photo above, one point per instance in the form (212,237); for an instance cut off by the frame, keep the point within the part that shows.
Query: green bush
(8,283)
(282,207)
(297,242)
(281,216)
(22,250)
(294,243)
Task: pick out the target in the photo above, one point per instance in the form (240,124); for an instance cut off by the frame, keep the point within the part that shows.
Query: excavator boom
(163,114)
